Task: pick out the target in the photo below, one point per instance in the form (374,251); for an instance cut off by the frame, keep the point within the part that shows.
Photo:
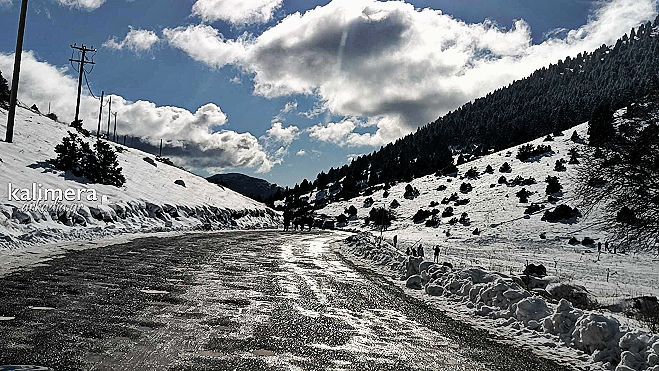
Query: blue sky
(168,74)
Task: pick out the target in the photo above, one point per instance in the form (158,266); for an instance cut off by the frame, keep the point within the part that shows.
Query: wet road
(231,301)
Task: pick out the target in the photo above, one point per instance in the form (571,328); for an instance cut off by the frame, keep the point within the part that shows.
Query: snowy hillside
(155,197)
(506,238)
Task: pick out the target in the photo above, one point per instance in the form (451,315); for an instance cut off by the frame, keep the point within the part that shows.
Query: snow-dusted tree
(4,90)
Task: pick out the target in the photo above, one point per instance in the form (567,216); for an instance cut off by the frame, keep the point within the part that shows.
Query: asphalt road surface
(231,301)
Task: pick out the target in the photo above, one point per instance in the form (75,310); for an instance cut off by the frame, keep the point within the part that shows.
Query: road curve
(231,301)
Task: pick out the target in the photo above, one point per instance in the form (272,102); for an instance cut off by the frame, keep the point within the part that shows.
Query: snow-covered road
(231,301)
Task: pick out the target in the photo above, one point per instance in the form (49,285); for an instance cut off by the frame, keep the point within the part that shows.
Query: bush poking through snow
(562,213)
(505,168)
(466,187)
(411,192)
(553,185)
(421,215)
(529,152)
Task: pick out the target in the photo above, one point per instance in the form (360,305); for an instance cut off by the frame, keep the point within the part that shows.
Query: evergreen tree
(108,170)
(600,126)
(4,90)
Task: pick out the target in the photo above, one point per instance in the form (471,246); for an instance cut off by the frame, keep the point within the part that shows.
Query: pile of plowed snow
(155,197)
(503,300)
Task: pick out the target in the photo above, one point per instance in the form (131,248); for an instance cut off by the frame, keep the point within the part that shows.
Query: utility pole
(83,50)
(160,155)
(114,136)
(100,116)
(17,73)
(124,140)
(109,114)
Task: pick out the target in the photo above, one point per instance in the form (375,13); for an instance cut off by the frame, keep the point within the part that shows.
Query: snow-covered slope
(150,200)
(508,238)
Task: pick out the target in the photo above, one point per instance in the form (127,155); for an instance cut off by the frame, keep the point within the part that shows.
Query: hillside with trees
(552,99)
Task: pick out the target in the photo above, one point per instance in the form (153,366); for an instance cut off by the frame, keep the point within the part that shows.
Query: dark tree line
(552,99)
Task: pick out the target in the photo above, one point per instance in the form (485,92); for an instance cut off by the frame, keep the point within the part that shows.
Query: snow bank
(503,299)
(156,197)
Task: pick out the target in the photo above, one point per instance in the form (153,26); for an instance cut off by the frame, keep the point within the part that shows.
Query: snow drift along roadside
(155,197)
(501,299)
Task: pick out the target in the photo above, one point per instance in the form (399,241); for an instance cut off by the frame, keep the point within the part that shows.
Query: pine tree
(108,170)
(4,90)
(600,126)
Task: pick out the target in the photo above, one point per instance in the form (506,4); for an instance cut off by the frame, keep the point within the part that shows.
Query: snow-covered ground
(496,302)
(508,238)
(150,200)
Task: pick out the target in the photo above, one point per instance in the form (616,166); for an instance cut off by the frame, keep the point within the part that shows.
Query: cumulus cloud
(236,12)
(135,40)
(282,135)
(197,138)
(395,66)
(82,4)
(301,153)
(205,44)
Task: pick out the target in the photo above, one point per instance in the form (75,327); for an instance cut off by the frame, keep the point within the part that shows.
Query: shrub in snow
(447,212)
(529,151)
(433,222)
(549,138)
(421,215)
(505,168)
(533,208)
(489,169)
(441,187)
(179,182)
(52,116)
(472,173)
(502,180)
(351,211)
(464,219)
(575,294)
(476,232)
(380,216)
(553,185)
(561,213)
(434,203)
(165,160)
(411,192)
(394,204)
(574,241)
(521,181)
(385,194)
(523,195)
(368,202)
(150,161)
(587,241)
(576,138)
(461,202)
(626,216)
(560,165)
(342,220)
(574,157)
(535,270)
(466,187)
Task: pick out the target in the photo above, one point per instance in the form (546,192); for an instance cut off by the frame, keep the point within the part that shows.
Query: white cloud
(135,40)
(301,153)
(236,12)
(197,137)
(282,135)
(6,3)
(394,66)
(205,44)
(333,132)
(82,4)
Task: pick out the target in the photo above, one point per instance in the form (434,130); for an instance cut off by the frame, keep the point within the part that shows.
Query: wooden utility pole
(124,139)
(160,155)
(114,136)
(83,50)
(109,114)
(13,98)
(100,116)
